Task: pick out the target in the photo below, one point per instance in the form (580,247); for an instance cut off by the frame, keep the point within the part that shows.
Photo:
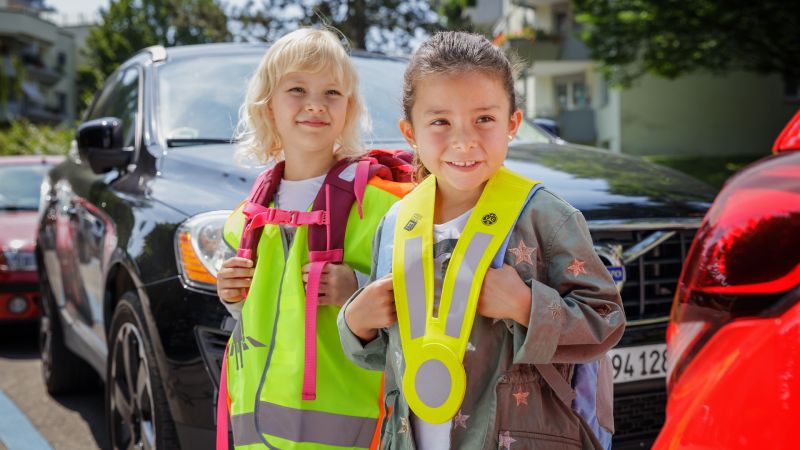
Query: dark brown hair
(449,53)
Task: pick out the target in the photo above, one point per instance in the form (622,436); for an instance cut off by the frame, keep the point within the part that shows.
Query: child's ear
(514,122)
(408,132)
(270,113)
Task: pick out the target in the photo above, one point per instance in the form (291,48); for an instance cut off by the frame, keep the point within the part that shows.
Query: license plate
(639,363)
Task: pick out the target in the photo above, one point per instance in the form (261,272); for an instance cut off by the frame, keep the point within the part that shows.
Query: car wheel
(137,410)
(63,371)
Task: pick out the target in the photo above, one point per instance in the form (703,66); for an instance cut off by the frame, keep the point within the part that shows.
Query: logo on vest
(238,345)
(489,219)
(412,222)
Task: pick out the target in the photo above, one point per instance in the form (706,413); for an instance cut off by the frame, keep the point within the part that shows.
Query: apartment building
(37,65)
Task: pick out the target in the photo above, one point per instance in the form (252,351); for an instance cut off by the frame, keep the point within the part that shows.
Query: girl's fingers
(237,261)
(232,295)
(237,283)
(236,273)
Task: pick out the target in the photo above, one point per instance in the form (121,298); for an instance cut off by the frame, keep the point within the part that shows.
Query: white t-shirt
(429,436)
(297,196)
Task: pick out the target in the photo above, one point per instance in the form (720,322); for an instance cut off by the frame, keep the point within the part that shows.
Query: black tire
(63,371)
(136,407)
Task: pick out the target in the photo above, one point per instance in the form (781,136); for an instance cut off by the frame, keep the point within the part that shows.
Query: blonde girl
(288,383)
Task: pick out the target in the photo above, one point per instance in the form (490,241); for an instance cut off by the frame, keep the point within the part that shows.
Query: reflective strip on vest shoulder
(463,283)
(415,286)
(300,425)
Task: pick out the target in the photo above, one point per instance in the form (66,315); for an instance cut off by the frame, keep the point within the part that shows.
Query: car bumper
(19,301)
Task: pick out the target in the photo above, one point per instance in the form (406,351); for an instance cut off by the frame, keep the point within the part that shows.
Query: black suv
(129,240)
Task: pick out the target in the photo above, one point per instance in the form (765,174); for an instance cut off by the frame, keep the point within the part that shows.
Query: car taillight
(744,259)
(789,139)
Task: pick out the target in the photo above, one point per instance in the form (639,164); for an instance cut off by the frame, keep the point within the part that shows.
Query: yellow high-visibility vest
(434,381)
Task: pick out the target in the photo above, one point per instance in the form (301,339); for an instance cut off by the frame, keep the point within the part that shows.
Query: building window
(61,62)
(572,94)
(62,103)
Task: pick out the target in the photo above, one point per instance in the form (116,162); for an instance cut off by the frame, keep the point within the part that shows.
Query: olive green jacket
(576,316)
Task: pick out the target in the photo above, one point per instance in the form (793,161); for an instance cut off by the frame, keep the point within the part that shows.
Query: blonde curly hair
(304,50)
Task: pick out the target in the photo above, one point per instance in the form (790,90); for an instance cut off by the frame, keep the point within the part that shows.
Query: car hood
(202,178)
(611,186)
(602,184)
(18,230)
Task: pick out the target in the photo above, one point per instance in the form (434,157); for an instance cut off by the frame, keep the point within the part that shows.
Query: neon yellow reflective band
(434,381)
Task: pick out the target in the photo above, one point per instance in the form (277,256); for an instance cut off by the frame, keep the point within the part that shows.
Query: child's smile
(461,128)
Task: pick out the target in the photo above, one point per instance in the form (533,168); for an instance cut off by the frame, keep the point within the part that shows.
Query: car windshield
(19,186)
(199,99)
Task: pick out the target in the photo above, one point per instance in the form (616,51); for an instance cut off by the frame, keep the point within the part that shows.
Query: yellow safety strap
(434,381)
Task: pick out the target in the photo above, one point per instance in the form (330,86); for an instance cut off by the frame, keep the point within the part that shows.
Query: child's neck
(303,167)
(450,205)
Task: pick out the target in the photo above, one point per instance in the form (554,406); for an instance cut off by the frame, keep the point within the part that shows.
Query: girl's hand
(373,308)
(233,279)
(505,296)
(336,283)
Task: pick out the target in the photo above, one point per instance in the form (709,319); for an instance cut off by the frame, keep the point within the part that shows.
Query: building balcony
(42,74)
(32,111)
(544,47)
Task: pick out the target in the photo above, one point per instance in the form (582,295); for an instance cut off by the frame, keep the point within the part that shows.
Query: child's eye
(439,122)
(484,119)
(297,89)
(334,92)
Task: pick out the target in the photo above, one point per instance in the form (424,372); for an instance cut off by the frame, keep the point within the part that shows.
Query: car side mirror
(100,144)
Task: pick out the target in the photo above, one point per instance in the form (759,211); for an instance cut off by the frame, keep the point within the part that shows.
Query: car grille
(638,419)
(652,277)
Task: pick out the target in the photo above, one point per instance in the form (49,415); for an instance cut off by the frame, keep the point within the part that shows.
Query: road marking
(16,431)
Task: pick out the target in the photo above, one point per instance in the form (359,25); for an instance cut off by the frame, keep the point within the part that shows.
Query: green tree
(24,138)
(452,12)
(378,25)
(674,37)
(127,26)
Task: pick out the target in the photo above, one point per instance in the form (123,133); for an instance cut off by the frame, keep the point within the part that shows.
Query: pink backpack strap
(261,195)
(222,405)
(326,241)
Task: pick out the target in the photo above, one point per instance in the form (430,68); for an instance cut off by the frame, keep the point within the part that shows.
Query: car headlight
(201,250)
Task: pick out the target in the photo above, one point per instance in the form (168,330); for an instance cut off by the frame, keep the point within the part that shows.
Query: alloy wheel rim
(130,393)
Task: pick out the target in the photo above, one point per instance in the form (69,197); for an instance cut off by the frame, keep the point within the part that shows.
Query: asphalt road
(31,418)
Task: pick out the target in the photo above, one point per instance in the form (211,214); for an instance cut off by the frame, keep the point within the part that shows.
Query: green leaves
(673,37)
(128,26)
(24,138)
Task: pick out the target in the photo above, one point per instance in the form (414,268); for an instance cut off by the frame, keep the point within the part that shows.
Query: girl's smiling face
(309,110)
(462,124)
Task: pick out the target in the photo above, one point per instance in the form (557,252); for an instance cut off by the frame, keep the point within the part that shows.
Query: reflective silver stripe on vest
(463,283)
(415,286)
(299,425)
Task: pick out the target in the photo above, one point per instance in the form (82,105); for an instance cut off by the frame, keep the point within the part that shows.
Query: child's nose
(315,105)
(464,140)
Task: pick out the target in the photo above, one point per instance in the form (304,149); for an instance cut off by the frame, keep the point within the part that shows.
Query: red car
(734,334)
(20,180)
